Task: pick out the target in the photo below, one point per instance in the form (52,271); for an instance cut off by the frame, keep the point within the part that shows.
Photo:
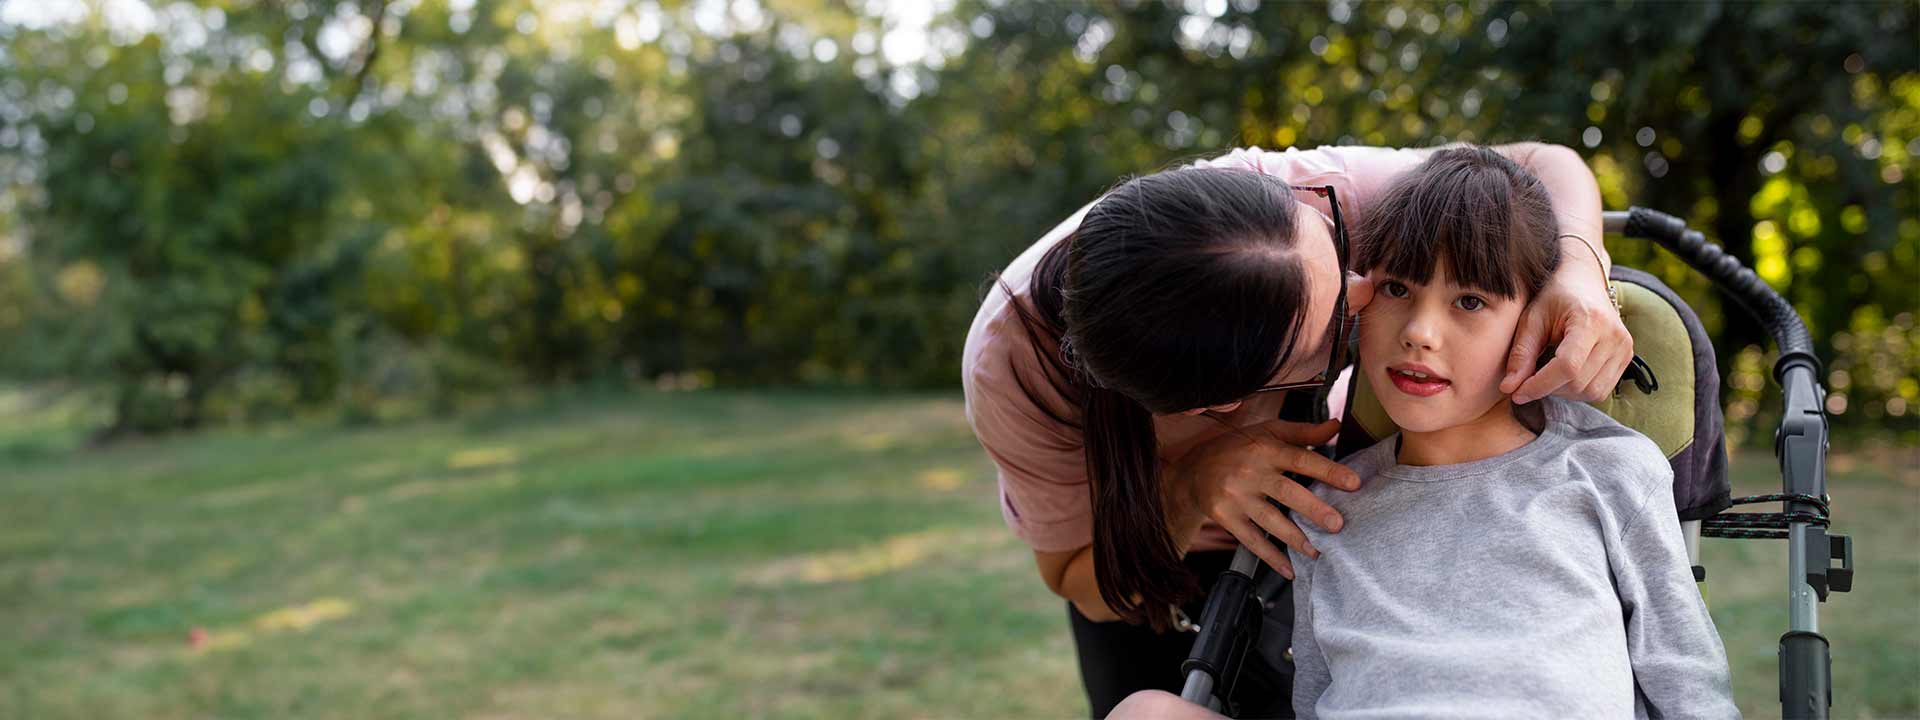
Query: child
(1498,560)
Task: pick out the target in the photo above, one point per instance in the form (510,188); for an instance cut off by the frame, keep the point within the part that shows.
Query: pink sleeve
(1359,174)
(1043,480)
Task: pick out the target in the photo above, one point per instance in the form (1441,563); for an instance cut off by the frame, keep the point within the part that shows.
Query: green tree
(1777,128)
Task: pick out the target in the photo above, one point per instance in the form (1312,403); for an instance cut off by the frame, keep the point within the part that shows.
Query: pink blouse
(1043,476)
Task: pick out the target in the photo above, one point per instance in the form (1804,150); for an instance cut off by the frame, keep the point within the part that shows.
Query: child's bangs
(1462,228)
(1488,223)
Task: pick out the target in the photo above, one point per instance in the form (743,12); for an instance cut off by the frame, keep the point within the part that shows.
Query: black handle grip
(1774,312)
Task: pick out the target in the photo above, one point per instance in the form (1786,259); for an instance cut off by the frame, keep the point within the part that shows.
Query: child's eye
(1470,303)
(1393,288)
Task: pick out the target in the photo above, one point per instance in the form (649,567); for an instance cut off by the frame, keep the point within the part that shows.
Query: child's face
(1458,337)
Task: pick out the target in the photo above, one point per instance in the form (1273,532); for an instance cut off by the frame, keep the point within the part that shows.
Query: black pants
(1118,659)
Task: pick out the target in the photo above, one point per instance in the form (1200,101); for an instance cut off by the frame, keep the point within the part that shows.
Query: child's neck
(1494,433)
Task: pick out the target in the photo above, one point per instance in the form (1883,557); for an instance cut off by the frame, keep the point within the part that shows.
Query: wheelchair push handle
(1727,273)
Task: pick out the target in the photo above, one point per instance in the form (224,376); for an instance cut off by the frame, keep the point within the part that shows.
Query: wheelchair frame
(1229,627)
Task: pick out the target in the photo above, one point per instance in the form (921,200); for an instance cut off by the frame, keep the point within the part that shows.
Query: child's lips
(1407,379)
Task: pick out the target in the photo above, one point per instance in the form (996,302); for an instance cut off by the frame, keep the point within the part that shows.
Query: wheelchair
(1671,394)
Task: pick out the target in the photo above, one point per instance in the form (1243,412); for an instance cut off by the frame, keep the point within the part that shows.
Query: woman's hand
(1231,478)
(1573,313)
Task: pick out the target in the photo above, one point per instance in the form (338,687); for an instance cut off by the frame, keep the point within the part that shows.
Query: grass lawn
(652,555)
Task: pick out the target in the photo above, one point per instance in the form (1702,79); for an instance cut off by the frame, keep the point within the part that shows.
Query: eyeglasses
(1338,357)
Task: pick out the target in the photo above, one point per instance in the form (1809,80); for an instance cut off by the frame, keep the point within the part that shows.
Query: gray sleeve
(1310,677)
(1679,664)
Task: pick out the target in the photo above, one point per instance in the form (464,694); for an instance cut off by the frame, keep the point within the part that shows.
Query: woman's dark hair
(1179,290)
(1482,215)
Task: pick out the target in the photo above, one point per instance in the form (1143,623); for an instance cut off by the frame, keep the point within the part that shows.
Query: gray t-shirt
(1551,581)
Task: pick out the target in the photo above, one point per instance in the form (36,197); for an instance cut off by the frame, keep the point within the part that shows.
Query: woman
(1127,370)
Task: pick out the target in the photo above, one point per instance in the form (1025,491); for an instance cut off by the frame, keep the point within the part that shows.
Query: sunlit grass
(651,555)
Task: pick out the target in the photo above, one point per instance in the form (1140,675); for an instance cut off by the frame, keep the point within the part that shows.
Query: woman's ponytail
(1135,561)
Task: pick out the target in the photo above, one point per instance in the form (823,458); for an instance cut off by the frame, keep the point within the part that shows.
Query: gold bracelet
(1613,296)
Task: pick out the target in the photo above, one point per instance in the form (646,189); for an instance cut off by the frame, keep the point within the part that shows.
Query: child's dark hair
(1179,290)
(1486,218)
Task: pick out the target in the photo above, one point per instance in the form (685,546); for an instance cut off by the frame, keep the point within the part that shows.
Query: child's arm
(1310,677)
(1679,663)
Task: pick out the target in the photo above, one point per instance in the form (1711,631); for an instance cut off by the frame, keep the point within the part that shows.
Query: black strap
(1765,526)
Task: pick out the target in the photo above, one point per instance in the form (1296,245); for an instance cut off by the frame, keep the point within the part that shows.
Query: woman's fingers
(1277,524)
(1594,347)
(1254,539)
(1615,366)
(1291,455)
(1584,332)
(1529,337)
(1587,389)
(1299,499)
(1607,376)
(1242,481)
(1594,378)
(1314,465)
(1569,364)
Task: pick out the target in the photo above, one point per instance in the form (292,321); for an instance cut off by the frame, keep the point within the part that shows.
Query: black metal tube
(1222,635)
(1805,669)
(1726,272)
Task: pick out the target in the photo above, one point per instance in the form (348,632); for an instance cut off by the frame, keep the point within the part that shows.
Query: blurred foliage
(234,209)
